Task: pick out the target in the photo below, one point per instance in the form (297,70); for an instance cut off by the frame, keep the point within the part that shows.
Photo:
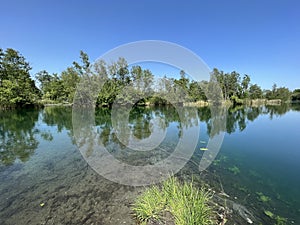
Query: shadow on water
(44,179)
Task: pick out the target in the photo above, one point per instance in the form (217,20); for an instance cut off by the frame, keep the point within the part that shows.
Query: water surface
(45,180)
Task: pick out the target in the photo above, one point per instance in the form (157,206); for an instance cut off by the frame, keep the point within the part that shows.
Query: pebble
(249,221)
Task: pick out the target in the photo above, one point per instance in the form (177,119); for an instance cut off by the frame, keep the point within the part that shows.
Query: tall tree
(196,93)
(84,68)
(283,93)
(233,83)
(16,86)
(255,92)
(44,79)
(295,96)
(245,85)
(69,79)
(222,80)
(52,86)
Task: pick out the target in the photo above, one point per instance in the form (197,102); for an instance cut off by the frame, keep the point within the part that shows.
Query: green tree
(271,94)
(213,90)
(136,72)
(222,80)
(245,85)
(196,92)
(17,89)
(295,96)
(69,79)
(282,93)
(44,79)
(51,86)
(183,82)
(113,78)
(230,83)
(233,81)
(90,83)
(119,71)
(255,92)
(84,68)
(142,79)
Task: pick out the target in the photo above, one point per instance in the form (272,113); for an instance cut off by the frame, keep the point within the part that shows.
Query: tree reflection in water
(19,131)
(17,135)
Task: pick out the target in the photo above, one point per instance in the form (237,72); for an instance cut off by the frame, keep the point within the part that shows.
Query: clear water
(45,180)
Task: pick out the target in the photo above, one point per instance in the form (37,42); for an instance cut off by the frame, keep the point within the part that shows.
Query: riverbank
(201,103)
(59,104)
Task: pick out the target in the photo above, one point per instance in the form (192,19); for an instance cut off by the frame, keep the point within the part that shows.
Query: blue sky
(259,38)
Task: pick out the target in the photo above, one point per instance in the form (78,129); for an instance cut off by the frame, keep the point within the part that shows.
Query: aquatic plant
(262,197)
(187,204)
(149,205)
(220,159)
(279,220)
(235,170)
(241,188)
(216,162)
(269,214)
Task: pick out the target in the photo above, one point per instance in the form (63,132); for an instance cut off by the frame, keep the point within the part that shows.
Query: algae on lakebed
(279,220)
(235,170)
(262,197)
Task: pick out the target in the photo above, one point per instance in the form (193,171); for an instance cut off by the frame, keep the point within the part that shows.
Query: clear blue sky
(255,37)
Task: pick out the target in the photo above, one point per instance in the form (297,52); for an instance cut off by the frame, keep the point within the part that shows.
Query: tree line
(19,89)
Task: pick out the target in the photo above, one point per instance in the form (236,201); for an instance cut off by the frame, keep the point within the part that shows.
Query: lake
(45,179)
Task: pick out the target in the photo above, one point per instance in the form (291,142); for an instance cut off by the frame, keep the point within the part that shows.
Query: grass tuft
(187,204)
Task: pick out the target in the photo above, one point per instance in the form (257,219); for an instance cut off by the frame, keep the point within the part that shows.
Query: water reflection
(238,117)
(58,116)
(18,130)
(17,135)
(132,150)
(262,161)
(139,122)
(295,107)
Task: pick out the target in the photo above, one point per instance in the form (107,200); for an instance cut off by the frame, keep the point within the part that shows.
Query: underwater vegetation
(278,219)
(262,197)
(235,170)
(241,188)
(269,213)
(218,161)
